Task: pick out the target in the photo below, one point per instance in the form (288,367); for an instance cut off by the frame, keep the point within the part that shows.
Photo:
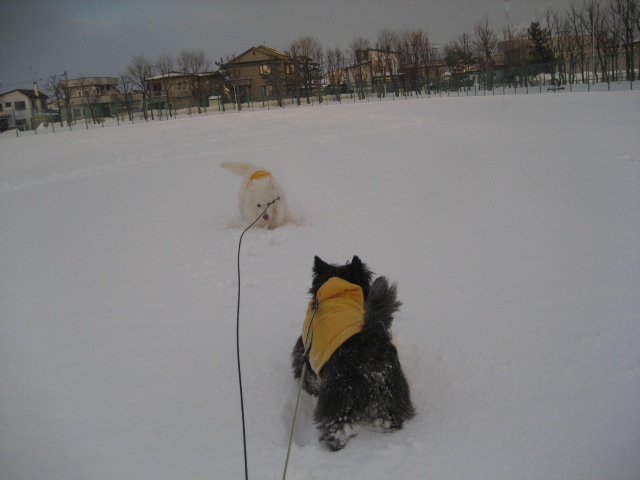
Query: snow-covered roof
(178,75)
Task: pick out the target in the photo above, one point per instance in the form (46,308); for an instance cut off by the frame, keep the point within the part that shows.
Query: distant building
(21,109)
(90,97)
(373,66)
(178,90)
(258,71)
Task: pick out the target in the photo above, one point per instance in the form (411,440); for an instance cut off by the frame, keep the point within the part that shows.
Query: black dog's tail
(380,306)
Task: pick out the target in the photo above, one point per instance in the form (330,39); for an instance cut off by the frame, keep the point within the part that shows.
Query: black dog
(359,381)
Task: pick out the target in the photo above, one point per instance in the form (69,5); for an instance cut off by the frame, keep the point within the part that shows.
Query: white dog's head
(255,198)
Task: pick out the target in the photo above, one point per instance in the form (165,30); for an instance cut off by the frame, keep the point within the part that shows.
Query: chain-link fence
(597,73)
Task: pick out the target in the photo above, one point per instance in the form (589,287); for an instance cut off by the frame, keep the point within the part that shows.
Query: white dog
(257,190)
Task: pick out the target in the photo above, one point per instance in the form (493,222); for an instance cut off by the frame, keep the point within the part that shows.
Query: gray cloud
(98,37)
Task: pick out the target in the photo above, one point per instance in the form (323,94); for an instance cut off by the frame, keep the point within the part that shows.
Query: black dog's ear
(318,265)
(360,274)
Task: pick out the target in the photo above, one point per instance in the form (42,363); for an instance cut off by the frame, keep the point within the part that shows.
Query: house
(373,66)
(380,70)
(258,72)
(179,90)
(90,98)
(173,86)
(22,109)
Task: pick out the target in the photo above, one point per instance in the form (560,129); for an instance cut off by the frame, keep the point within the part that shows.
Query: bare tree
(577,34)
(139,70)
(55,89)
(294,73)
(165,67)
(307,56)
(514,48)
(387,57)
(415,57)
(561,42)
(568,48)
(194,64)
(424,52)
(318,72)
(335,67)
(91,94)
(124,87)
(276,72)
(592,18)
(485,44)
(627,14)
(65,94)
(459,57)
(358,51)
(552,21)
(234,84)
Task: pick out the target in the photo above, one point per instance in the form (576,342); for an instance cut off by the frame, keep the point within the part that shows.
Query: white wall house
(18,107)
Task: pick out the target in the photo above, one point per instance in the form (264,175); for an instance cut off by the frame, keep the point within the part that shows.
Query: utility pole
(507,15)
(67,100)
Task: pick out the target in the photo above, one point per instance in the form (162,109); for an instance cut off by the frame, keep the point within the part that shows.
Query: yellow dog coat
(258,175)
(339,316)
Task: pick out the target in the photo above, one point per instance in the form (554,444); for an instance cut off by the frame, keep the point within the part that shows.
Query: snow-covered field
(511,224)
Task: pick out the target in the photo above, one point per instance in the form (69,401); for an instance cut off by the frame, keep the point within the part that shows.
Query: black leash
(303,373)
(244,434)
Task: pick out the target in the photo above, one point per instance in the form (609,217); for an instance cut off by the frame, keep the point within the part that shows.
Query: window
(21,105)
(265,69)
(156,88)
(181,85)
(8,104)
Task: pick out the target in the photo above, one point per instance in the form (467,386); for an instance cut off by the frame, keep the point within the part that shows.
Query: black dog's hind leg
(311,382)
(336,418)
(342,401)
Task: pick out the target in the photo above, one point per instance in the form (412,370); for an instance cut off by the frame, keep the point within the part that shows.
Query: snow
(511,225)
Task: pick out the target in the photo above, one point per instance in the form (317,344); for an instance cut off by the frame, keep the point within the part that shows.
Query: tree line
(594,28)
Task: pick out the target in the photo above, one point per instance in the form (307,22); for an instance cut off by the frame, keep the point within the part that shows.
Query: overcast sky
(99,37)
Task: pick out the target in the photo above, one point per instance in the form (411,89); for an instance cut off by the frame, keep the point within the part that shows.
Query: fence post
(14,123)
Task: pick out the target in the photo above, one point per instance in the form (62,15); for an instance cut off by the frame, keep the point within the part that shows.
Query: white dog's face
(253,209)
(255,200)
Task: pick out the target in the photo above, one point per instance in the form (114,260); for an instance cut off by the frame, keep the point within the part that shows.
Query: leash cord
(244,434)
(307,347)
